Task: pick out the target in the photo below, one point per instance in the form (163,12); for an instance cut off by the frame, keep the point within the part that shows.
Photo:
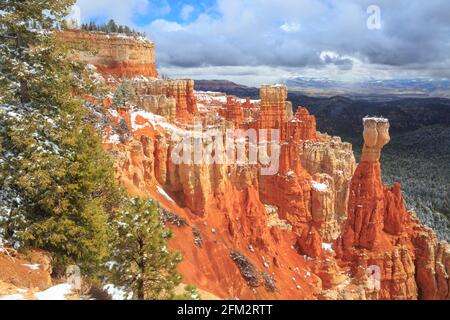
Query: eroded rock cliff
(115,55)
(317,228)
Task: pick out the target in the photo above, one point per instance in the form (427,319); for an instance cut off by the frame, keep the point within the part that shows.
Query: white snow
(13,297)
(154,120)
(201,107)
(290,173)
(140,79)
(114,139)
(32,266)
(58,292)
(321,187)
(210,97)
(114,113)
(270,209)
(159,121)
(117,293)
(376,119)
(327,246)
(164,193)
(214,98)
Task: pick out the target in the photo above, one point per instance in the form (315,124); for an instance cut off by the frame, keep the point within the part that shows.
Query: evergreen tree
(124,95)
(112,26)
(190,293)
(143,263)
(56,182)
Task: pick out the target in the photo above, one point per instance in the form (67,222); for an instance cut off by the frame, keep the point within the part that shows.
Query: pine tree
(190,293)
(143,263)
(124,95)
(112,26)
(56,183)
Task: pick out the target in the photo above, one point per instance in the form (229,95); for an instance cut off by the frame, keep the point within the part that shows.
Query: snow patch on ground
(32,266)
(271,209)
(13,297)
(154,120)
(159,121)
(321,187)
(58,292)
(212,97)
(327,247)
(164,194)
(116,293)
(114,139)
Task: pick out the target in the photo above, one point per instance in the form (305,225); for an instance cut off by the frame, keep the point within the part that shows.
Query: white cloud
(186,11)
(166,26)
(290,27)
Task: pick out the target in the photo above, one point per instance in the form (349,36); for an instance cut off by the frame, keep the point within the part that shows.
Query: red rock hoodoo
(380,234)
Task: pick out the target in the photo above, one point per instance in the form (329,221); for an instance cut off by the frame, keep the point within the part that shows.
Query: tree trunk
(141,292)
(24,96)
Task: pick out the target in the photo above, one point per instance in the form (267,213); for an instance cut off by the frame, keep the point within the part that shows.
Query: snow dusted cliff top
(376,119)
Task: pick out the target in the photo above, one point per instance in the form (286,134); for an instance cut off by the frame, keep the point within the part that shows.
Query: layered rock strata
(117,55)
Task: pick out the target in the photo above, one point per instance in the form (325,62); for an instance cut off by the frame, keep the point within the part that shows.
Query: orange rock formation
(113,54)
(316,229)
(381,233)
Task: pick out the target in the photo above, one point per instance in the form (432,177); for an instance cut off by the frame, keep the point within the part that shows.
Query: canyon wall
(115,55)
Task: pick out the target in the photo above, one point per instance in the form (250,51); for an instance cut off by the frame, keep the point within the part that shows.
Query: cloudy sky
(262,41)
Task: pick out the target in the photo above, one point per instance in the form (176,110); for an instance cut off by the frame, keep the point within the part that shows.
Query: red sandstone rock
(116,55)
(302,127)
(273,107)
(380,229)
(181,90)
(232,111)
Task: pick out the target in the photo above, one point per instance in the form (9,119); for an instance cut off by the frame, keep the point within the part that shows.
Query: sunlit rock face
(333,161)
(160,105)
(273,108)
(113,54)
(181,90)
(376,136)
